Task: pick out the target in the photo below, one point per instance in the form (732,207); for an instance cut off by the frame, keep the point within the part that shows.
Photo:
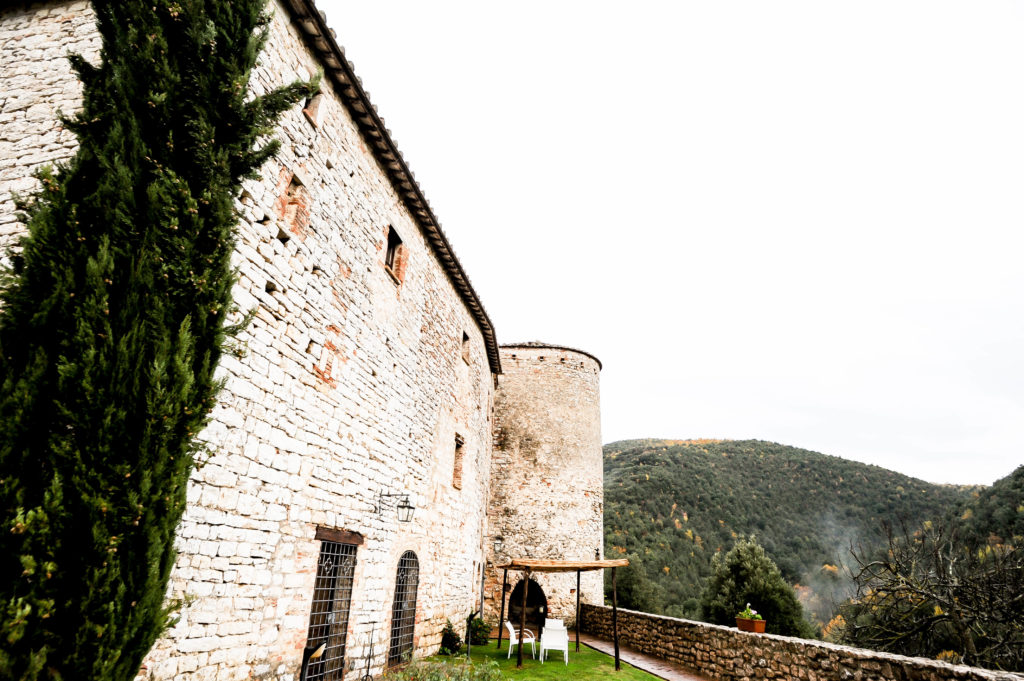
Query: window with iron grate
(324,656)
(403,612)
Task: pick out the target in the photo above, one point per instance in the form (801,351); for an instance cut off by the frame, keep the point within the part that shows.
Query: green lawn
(586,664)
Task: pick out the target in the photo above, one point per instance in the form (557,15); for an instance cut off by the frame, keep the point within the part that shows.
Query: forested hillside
(995,514)
(673,504)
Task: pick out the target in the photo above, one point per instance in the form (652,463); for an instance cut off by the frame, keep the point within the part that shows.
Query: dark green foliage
(676,504)
(745,575)
(451,642)
(111,329)
(478,631)
(995,515)
(635,590)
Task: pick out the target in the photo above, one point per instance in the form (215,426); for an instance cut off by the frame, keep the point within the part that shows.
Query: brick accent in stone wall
(547,489)
(727,654)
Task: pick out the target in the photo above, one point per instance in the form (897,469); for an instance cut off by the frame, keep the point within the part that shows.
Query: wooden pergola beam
(615,619)
(501,617)
(522,620)
(577,611)
(541,565)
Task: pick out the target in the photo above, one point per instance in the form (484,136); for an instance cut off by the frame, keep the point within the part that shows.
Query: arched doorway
(403,611)
(536,605)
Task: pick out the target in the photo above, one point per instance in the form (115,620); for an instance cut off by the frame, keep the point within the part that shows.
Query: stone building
(373,387)
(547,485)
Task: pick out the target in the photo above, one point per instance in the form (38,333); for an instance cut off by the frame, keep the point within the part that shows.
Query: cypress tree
(747,575)
(111,326)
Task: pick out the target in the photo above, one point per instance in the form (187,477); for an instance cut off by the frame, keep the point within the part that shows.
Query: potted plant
(748,620)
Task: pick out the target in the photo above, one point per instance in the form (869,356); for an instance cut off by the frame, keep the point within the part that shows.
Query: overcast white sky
(793,221)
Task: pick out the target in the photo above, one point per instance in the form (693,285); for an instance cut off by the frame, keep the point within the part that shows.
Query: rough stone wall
(727,654)
(37,83)
(353,383)
(547,479)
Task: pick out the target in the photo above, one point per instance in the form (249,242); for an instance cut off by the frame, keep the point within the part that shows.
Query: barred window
(328,617)
(403,612)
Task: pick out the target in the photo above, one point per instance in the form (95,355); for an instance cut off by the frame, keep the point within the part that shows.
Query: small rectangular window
(328,617)
(394,244)
(297,204)
(459,451)
(465,347)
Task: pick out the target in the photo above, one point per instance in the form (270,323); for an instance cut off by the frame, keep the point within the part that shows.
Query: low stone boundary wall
(727,654)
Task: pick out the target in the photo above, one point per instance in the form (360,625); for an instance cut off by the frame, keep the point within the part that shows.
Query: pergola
(531,565)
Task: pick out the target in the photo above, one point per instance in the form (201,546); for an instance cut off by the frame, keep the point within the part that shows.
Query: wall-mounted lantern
(404,507)
(499,543)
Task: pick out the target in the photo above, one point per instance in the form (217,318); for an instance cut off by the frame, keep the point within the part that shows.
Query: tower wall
(547,480)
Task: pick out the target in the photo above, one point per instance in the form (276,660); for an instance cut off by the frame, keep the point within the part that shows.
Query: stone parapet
(727,654)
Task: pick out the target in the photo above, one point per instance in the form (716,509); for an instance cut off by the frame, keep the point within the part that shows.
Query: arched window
(403,612)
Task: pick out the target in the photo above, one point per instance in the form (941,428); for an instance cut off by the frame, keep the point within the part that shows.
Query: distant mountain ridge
(674,503)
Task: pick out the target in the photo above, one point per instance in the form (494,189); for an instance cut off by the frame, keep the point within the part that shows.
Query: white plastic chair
(554,624)
(513,640)
(554,638)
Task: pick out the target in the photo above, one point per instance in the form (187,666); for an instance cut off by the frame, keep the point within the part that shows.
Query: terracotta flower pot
(756,626)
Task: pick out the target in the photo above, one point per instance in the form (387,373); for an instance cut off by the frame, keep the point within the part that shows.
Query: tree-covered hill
(673,504)
(995,514)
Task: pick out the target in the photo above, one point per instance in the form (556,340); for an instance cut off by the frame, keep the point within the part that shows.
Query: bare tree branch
(927,594)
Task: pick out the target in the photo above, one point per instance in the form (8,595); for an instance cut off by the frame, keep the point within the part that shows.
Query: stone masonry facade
(37,82)
(369,369)
(547,489)
(728,654)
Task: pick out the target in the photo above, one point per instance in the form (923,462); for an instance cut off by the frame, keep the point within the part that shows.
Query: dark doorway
(403,611)
(536,605)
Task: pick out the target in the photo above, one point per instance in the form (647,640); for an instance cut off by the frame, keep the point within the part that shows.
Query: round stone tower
(547,478)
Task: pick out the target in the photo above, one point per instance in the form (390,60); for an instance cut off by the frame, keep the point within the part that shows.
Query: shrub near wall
(726,654)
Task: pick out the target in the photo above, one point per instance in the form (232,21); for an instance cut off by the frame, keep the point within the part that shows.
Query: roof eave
(322,42)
